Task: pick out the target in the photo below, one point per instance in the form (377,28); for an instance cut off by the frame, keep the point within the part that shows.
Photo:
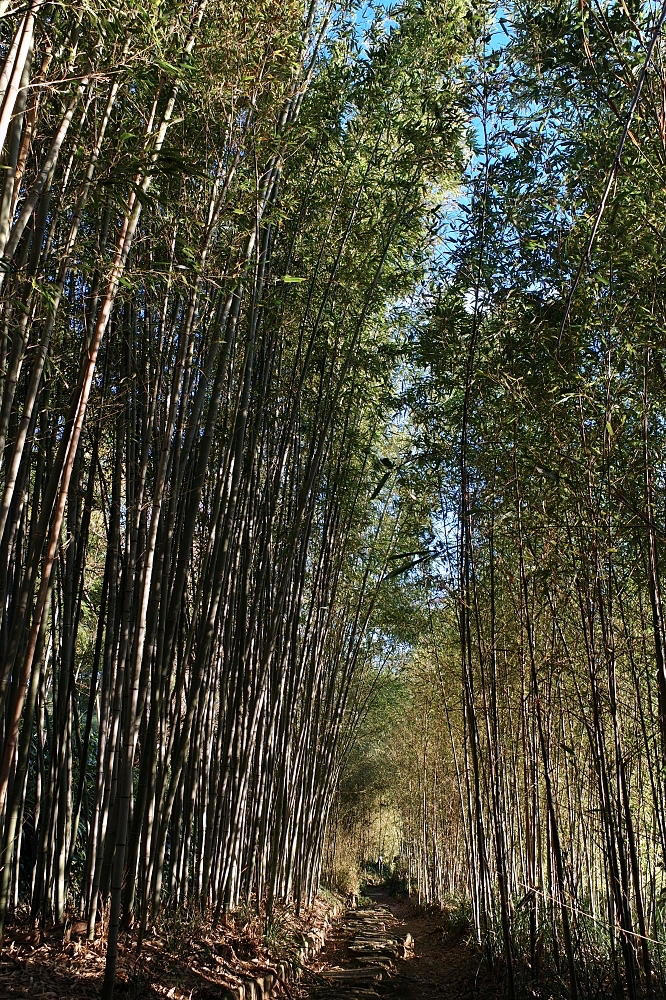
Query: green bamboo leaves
(204,218)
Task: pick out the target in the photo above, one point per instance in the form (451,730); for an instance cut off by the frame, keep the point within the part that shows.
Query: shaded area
(190,960)
(393,950)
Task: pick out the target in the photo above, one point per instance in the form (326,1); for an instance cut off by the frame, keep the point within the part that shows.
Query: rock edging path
(367,946)
(367,954)
(268,984)
(365,958)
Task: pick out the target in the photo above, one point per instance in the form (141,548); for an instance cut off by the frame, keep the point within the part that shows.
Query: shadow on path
(390,950)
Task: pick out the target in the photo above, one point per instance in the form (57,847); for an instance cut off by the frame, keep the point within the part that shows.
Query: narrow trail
(390,950)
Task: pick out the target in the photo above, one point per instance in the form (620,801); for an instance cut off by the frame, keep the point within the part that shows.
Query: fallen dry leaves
(183,959)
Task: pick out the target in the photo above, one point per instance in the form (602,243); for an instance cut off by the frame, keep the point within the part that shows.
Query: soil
(50,966)
(441,968)
(188,960)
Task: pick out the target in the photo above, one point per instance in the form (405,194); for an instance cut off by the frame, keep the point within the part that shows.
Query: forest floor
(442,967)
(189,961)
(184,960)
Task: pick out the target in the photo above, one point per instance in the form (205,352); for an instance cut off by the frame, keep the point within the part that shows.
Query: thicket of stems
(203,215)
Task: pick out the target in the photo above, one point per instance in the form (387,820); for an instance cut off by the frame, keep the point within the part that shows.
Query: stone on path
(371,949)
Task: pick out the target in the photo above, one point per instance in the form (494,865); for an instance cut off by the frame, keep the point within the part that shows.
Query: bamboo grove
(533,749)
(331,507)
(206,212)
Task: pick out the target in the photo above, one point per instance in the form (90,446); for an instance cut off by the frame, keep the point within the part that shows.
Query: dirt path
(363,959)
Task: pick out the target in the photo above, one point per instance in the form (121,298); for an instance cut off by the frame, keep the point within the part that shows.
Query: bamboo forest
(333,499)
